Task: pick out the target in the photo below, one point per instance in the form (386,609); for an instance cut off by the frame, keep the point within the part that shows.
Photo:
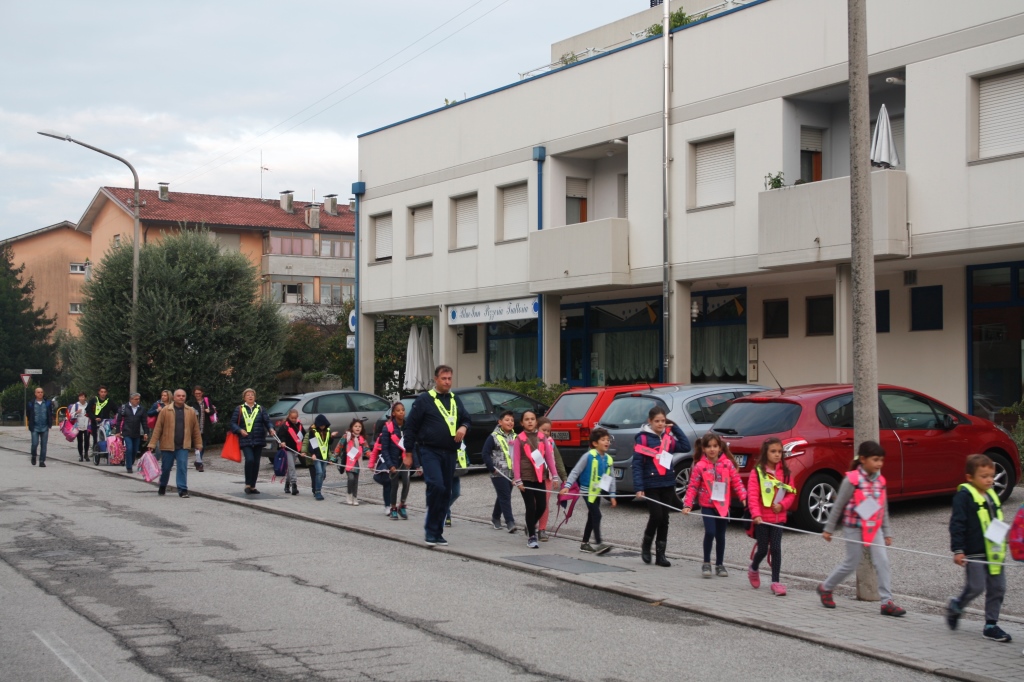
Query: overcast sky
(184,89)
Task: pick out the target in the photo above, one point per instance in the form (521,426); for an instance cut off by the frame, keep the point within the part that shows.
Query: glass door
(574,358)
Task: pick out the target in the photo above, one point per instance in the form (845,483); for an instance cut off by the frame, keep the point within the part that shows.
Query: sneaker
(721,572)
(441,542)
(162,490)
(542,535)
(778,589)
(295,489)
(432,542)
(448,522)
(889,608)
(532,542)
(705,570)
(953,614)
(287,487)
(996,634)
(42,463)
(404,515)
(511,528)
(199,467)
(316,496)
(588,548)
(257,492)
(355,501)
(394,514)
(754,577)
(826,597)
(33,460)
(182,493)
(602,549)
(130,471)
(496,524)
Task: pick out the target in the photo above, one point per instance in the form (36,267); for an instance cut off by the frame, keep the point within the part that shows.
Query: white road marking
(69,657)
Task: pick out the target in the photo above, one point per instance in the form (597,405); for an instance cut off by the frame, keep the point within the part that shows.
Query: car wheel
(683,470)
(1003,483)
(816,500)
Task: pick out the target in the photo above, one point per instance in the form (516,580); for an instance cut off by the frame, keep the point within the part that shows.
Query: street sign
(33,371)
(25,378)
(350,342)
(352,321)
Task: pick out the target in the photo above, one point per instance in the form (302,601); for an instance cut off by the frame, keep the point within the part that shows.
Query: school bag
(1016,537)
(280,463)
(115,450)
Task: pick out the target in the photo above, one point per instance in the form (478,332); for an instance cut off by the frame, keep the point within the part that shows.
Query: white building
(547,193)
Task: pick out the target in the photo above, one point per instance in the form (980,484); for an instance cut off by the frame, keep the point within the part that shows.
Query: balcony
(584,256)
(307,266)
(810,223)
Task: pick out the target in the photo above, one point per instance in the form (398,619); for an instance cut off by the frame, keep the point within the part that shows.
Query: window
(708,408)
(514,217)
(382,241)
(293,290)
(78,268)
(335,248)
(469,338)
(364,402)
(474,403)
(572,406)
(117,240)
(421,239)
(837,412)
(287,244)
(333,403)
(910,411)
(76,309)
(776,319)
(820,316)
(575,201)
(1001,114)
(882,312)
(810,154)
(926,308)
(333,292)
(715,172)
(502,401)
(466,222)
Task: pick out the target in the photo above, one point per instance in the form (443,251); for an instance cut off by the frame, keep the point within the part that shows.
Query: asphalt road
(101,579)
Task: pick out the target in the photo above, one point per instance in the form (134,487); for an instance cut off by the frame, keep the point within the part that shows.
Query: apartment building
(528,220)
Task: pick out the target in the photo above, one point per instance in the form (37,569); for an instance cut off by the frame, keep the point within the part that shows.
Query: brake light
(791,447)
(584,434)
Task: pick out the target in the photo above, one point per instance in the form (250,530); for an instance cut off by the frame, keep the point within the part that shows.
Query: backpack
(280,463)
(1016,537)
(378,443)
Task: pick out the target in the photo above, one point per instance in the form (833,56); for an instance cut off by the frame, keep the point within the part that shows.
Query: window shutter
(810,139)
(576,188)
(899,137)
(515,219)
(382,239)
(466,222)
(716,172)
(423,230)
(1001,114)
(625,196)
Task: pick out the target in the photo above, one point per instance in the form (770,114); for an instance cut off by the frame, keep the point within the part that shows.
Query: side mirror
(948,422)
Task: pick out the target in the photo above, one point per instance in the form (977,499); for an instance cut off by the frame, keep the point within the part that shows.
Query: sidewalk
(920,640)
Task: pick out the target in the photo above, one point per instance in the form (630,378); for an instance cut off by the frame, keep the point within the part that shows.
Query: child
(291,434)
(532,462)
(974,506)
(317,446)
(398,462)
(861,504)
(596,474)
(769,497)
(354,447)
(544,424)
(654,477)
(498,460)
(713,477)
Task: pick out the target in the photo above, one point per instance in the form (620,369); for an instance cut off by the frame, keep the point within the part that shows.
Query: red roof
(243,212)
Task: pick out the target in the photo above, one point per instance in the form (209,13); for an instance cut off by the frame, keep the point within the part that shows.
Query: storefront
(511,329)
(718,336)
(610,343)
(996,325)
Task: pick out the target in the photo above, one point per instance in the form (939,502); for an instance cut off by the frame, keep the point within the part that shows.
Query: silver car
(693,407)
(340,408)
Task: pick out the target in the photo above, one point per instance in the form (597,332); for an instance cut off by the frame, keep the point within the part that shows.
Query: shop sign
(495,311)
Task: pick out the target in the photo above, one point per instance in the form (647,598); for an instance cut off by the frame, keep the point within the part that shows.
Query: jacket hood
(321,422)
(646,428)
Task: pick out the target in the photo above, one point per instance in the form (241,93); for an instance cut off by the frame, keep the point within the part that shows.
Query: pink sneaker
(778,589)
(754,577)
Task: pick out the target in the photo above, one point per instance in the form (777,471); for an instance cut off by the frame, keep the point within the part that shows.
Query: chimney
(331,204)
(165,191)
(313,217)
(286,201)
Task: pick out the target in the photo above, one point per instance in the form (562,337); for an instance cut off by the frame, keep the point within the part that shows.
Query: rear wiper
(607,426)
(731,432)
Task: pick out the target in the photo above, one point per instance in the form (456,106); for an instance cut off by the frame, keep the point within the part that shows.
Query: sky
(192,92)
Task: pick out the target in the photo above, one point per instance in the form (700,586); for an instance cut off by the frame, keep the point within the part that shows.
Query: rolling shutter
(382,244)
(515,219)
(422,230)
(1001,114)
(899,138)
(576,188)
(810,139)
(466,222)
(625,196)
(716,172)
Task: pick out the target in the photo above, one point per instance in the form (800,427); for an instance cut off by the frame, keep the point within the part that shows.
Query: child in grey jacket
(596,475)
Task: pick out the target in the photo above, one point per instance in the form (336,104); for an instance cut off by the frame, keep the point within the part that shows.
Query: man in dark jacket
(207,414)
(131,422)
(39,417)
(436,426)
(100,408)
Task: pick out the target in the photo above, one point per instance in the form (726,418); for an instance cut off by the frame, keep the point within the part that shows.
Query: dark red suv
(925,442)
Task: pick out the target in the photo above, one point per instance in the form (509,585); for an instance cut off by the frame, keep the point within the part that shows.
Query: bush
(13,397)
(535,388)
(314,377)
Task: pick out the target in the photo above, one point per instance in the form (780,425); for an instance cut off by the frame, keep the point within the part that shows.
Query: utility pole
(862,266)
(666,154)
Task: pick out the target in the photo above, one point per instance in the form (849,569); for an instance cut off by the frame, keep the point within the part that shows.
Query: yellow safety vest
(502,439)
(595,478)
(324,443)
(100,406)
(451,418)
(250,418)
(994,553)
(768,485)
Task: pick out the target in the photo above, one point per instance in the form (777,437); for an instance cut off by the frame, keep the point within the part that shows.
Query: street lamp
(133,377)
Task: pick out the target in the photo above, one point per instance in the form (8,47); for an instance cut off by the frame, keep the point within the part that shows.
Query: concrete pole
(865,352)
(666,275)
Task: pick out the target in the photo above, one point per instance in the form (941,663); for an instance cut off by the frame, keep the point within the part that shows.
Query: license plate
(741,461)
(560,435)
(619,474)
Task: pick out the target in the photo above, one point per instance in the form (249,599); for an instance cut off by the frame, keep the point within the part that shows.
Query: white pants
(854,551)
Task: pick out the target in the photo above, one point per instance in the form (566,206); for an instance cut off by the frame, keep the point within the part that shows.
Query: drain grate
(566,564)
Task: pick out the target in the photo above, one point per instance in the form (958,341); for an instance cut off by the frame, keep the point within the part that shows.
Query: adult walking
(177,428)
(78,415)
(39,415)
(99,409)
(435,428)
(207,415)
(131,422)
(251,423)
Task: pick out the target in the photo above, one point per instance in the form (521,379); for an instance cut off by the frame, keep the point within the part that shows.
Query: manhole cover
(566,564)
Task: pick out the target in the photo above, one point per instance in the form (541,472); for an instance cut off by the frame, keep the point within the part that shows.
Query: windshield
(757,418)
(570,406)
(629,411)
(281,407)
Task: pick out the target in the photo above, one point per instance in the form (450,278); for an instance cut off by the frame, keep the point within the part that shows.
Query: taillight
(584,434)
(791,447)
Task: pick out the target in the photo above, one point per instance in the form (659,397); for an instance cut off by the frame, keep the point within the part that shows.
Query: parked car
(575,412)
(694,407)
(484,405)
(340,408)
(925,441)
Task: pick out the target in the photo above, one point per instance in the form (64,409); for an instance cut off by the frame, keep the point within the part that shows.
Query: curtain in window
(627,356)
(718,351)
(513,359)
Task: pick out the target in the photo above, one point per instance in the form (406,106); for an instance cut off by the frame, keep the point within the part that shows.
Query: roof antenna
(781,389)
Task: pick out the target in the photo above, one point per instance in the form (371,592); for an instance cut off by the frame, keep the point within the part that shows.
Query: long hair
(762,462)
(705,440)
(362,428)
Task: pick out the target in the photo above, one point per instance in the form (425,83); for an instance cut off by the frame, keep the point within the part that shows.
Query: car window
(364,402)
(837,412)
(310,406)
(708,408)
(474,403)
(910,411)
(502,401)
(572,406)
(758,418)
(629,411)
(333,403)
(282,406)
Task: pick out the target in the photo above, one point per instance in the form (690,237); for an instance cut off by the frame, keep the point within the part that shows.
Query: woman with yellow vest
(317,446)
(769,497)
(498,460)
(251,424)
(596,475)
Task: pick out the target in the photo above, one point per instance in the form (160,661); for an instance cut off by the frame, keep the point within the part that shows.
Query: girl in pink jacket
(533,462)
(713,478)
(769,498)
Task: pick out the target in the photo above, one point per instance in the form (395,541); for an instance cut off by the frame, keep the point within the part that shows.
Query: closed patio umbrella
(883,147)
(426,360)
(412,361)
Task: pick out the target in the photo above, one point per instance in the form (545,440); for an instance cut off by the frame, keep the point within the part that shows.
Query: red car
(575,412)
(926,442)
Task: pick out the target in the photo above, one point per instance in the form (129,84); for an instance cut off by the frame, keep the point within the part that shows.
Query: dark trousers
(768,537)
(503,501)
(83,444)
(980,580)
(399,480)
(353,482)
(386,485)
(456,494)
(535,498)
(714,532)
(252,456)
(593,520)
(438,473)
(657,515)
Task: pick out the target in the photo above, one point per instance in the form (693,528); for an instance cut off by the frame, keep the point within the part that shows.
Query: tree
(24,329)
(305,347)
(389,347)
(200,320)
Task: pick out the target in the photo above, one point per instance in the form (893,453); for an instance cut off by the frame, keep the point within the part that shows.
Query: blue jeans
(456,494)
(438,473)
(170,457)
(318,472)
(503,503)
(252,457)
(131,449)
(39,439)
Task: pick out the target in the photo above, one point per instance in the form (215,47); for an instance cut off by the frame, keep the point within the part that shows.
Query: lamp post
(133,377)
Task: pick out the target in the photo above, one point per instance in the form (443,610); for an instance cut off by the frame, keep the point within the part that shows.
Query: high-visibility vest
(595,474)
(502,441)
(460,455)
(100,406)
(868,527)
(994,553)
(324,443)
(249,417)
(768,484)
(450,417)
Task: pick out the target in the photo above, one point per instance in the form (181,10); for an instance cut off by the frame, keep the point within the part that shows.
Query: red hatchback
(926,442)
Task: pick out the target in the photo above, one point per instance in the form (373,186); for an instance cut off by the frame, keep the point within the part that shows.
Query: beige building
(528,220)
